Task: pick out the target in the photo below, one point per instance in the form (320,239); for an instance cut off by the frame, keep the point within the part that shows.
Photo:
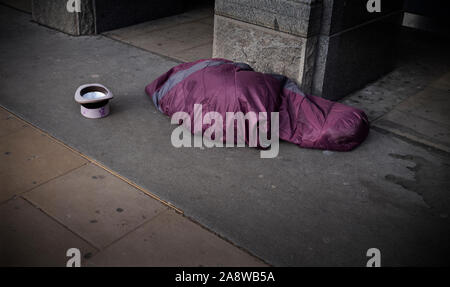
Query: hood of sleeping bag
(223,86)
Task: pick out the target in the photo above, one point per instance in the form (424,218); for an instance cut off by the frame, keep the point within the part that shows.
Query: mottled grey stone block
(349,60)
(264,49)
(86,18)
(298,17)
(54,14)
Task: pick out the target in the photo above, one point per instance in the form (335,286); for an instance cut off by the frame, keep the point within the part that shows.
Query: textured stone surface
(349,60)
(87,18)
(301,18)
(264,49)
(54,14)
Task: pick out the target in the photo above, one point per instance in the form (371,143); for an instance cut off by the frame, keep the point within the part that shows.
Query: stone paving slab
(172,240)
(9,123)
(443,83)
(29,237)
(29,158)
(416,128)
(431,104)
(423,117)
(95,204)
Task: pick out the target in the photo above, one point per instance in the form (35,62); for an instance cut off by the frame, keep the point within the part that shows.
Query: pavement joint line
(411,141)
(423,118)
(93,161)
(226,240)
(50,179)
(196,46)
(9,199)
(186,50)
(425,87)
(134,229)
(98,248)
(194,222)
(394,108)
(406,136)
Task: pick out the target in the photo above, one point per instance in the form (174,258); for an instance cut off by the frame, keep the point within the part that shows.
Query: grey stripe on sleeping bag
(292,86)
(180,76)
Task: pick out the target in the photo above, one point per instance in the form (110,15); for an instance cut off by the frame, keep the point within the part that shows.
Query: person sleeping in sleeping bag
(222,86)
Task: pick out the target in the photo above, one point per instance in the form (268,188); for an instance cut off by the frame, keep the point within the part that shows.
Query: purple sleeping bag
(223,86)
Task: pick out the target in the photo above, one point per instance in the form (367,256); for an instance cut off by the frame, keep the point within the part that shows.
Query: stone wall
(330,47)
(298,17)
(54,14)
(275,36)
